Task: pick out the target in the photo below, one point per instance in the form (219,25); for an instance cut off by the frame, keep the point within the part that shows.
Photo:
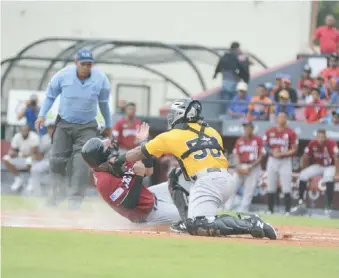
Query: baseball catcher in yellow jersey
(199,151)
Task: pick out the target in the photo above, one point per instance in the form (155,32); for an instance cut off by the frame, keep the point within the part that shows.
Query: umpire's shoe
(269,231)
(179,227)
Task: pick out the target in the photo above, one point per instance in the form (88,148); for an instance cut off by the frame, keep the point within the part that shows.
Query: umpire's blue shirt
(78,98)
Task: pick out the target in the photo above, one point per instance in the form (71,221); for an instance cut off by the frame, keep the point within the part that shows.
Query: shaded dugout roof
(52,53)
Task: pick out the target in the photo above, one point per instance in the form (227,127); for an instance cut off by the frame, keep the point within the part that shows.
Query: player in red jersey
(248,151)
(125,129)
(321,157)
(125,193)
(281,144)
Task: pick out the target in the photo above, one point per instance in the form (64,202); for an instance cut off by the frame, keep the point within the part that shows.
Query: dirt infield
(288,235)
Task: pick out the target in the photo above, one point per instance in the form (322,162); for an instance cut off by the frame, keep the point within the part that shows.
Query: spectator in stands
(320,84)
(23,145)
(239,107)
(260,106)
(285,106)
(306,76)
(40,161)
(125,129)
(278,84)
(330,87)
(119,111)
(334,96)
(334,118)
(234,66)
(333,67)
(306,89)
(286,85)
(315,112)
(327,35)
(31,112)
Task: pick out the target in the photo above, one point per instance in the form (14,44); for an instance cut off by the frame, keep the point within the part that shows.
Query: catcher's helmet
(184,111)
(95,153)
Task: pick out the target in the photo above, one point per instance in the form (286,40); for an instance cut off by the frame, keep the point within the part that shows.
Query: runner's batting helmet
(95,152)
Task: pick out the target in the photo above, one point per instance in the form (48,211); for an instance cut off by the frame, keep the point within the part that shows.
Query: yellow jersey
(178,141)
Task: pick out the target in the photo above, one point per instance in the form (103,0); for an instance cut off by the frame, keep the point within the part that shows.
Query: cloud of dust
(94,214)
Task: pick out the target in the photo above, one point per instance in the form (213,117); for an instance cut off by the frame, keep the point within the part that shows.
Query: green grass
(69,254)
(33,203)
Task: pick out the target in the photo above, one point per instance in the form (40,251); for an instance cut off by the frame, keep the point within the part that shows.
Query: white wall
(274,31)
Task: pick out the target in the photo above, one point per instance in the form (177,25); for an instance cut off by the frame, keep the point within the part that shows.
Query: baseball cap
(247,122)
(269,85)
(286,78)
(279,75)
(284,94)
(307,68)
(33,97)
(84,55)
(242,86)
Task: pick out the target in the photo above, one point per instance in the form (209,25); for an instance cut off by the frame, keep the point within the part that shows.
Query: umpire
(81,88)
(234,67)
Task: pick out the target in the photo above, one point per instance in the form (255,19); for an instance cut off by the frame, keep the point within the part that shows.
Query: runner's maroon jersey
(248,149)
(323,155)
(281,140)
(113,190)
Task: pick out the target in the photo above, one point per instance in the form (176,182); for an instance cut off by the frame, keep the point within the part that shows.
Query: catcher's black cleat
(178,227)
(269,231)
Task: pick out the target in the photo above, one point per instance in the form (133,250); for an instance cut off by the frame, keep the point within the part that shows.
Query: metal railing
(273,104)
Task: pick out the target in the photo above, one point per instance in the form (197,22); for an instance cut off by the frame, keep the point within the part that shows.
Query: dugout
(34,65)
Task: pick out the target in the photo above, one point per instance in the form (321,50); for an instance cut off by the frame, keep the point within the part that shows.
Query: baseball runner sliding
(126,193)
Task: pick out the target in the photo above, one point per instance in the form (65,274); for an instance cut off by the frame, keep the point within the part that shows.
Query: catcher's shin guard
(178,194)
(223,225)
